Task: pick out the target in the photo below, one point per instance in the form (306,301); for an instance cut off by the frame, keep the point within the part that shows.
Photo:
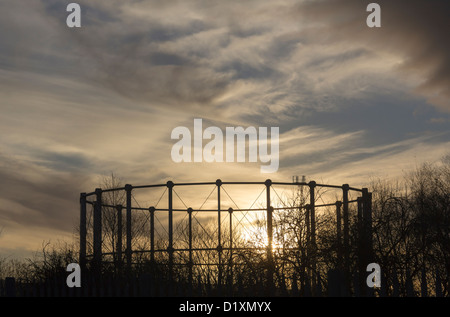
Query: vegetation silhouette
(410,235)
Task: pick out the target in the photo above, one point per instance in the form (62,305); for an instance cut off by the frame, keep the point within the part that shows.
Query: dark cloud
(415,30)
(125,55)
(41,197)
(63,161)
(169,61)
(112,50)
(293,64)
(241,70)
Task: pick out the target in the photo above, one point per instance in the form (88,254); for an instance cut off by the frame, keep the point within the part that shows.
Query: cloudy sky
(351,102)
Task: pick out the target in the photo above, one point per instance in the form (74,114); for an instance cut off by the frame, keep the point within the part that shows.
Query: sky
(352,103)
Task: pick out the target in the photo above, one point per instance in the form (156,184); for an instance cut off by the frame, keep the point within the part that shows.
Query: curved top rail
(220,182)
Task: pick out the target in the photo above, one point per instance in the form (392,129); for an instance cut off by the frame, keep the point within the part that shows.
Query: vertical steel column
(360,244)
(119,235)
(98,229)
(345,189)
(268,184)
(218,184)
(191,263)
(128,189)
(306,259)
(312,210)
(170,249)
(269,208)
(367,221)
(360,233)
(367,232)
(302,255)
(83,231)
(219,246)
(339,231)
(308,228)
(152,234)
(230,212)
(359,202)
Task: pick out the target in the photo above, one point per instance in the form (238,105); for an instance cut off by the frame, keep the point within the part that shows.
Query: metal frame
(342,226)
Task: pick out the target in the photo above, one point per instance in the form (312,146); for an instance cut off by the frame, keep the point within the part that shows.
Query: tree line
(410,234)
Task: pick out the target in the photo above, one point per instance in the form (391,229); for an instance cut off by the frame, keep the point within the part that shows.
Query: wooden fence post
(10,287)
(423,284)
(438,283)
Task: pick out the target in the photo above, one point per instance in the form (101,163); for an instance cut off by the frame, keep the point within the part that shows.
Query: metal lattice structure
(172,227)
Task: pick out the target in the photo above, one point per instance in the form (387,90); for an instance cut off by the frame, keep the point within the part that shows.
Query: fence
(148,285)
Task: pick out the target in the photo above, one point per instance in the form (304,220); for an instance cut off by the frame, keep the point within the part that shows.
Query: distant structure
(295,179)
(218,242)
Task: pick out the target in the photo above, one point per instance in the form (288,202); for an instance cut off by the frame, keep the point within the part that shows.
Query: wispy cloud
(413,32)
(350,101)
